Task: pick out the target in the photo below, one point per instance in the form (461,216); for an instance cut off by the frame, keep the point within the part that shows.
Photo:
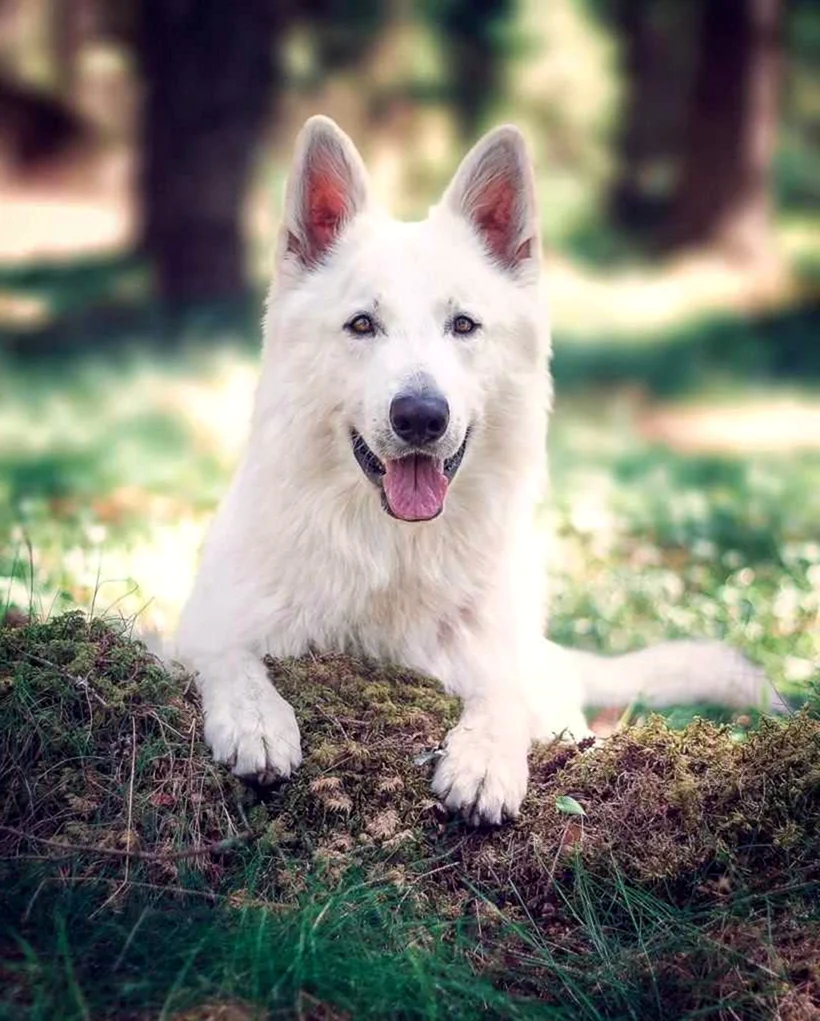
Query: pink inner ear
(495,218)
(326,210)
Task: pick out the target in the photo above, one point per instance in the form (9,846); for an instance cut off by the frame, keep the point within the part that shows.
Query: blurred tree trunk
(209,79)
(472,31)
(657,50)
(723,198)
(627,194)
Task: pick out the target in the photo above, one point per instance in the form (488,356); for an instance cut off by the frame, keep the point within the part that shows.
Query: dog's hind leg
(554,689)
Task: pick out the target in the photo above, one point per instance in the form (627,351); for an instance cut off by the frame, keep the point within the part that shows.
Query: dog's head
(414,340)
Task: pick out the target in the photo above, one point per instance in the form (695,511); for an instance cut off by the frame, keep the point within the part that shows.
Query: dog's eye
(362,325)
(464,325)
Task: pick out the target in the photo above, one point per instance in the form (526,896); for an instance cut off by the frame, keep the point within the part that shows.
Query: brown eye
(362,325)
(464,325)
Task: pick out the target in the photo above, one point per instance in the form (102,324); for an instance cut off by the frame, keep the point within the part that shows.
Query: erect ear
(327,187)
(494,191)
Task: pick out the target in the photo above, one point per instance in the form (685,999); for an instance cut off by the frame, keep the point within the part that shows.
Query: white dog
(385,504)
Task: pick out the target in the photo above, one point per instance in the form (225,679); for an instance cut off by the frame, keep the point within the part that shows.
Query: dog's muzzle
(413,487)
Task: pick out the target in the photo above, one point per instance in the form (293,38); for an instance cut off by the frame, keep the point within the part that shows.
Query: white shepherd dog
(385,504)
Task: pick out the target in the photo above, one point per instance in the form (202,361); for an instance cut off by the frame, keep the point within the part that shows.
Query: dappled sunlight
(113,477)
(57,226)
(651,543)
(211,400)
(767,424)
(144,577)
(636,302)
(21,311)
(218,409)
(82,207)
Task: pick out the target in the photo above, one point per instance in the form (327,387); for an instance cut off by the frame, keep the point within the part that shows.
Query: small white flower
(96,534)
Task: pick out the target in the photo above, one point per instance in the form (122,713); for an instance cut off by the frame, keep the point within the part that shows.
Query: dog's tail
(679,672)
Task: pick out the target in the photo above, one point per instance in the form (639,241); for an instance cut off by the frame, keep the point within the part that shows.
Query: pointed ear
(494,190)
(327,187)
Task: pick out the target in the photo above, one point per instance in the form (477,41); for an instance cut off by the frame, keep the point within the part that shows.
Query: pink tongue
(415,487)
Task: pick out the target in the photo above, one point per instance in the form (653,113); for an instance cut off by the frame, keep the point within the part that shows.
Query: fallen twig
(216,847)
(81,682)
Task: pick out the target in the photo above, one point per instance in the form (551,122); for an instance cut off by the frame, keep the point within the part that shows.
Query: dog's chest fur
(367,585)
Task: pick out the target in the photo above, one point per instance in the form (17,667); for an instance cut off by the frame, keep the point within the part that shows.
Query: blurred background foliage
(143,148)
(658,125)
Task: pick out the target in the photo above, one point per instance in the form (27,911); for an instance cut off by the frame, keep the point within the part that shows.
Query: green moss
(660,804)
(94,735)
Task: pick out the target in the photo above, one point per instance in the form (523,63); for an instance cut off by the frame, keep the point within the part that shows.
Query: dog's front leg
(248,725)
(225,628)
(483,772)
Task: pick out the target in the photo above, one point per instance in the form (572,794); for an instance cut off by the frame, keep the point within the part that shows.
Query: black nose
(419,418)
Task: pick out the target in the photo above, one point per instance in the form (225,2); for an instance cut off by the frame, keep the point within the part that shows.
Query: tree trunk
(470,29)
(657,50)
(209,77)
(627,195)
(723,197)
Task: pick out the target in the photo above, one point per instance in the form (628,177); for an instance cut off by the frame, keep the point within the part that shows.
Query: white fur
(302,555)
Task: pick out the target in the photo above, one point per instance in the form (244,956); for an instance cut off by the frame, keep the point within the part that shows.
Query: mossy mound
(100,746)
(660,804)
(101,750)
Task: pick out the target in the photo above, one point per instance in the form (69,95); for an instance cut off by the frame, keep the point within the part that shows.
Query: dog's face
(412,334)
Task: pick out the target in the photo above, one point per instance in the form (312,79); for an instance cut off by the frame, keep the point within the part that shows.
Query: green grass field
(138,880)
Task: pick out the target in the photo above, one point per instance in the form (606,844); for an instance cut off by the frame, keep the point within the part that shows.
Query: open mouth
(413,487)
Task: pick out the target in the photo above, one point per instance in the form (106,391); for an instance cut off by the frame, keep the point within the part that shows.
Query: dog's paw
(256,734)
(482,776)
